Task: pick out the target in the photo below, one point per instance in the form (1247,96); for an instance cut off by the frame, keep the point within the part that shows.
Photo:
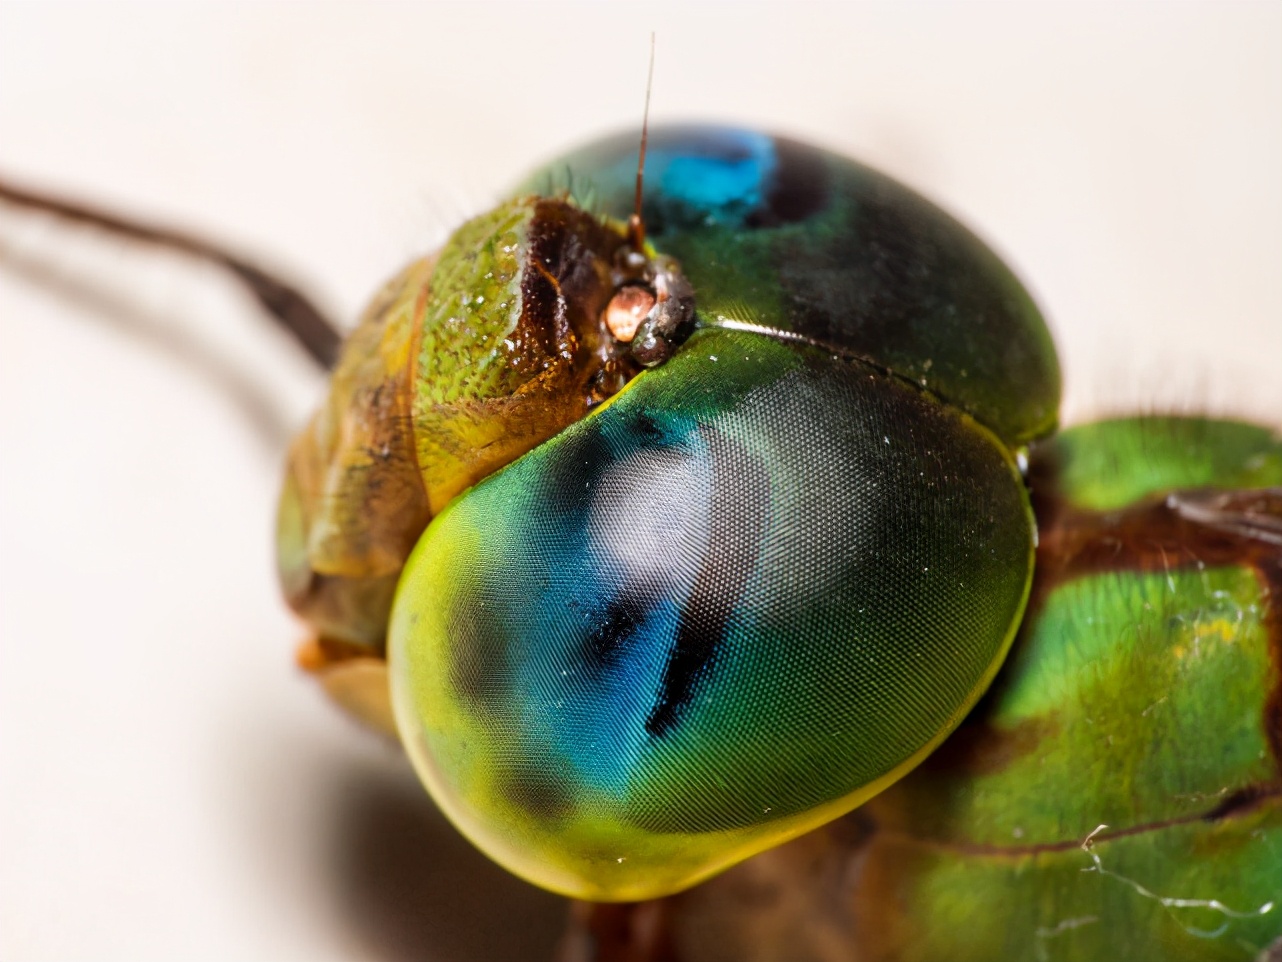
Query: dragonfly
(303,405)
(467,401)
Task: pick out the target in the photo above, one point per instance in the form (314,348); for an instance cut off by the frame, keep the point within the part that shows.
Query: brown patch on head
(498,375)
(568,280)
(620,932)
(978,748)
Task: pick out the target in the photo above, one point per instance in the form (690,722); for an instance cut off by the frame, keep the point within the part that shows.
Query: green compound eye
(765,579)
(733,604)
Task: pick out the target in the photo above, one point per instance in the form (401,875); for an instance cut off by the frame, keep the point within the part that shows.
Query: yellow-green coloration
(1152,897)
(650,637)
(1132,701)
(353,503)
(493,376)
(1108,465)
(1117,793)
(1169,671)
(747,594)
(462,362)
(475,306)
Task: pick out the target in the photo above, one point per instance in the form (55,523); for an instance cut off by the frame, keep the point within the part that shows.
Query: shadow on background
(126,314)
(412,888)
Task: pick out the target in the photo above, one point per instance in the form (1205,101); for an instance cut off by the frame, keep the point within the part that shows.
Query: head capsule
(463,362)
(765,578)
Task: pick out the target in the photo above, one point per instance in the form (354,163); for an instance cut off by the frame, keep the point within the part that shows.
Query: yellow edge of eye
(637,874)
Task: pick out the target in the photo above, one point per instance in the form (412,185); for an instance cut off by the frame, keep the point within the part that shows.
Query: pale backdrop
(169,786)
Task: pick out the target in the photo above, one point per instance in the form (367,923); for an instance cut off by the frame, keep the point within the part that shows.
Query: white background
(170,787)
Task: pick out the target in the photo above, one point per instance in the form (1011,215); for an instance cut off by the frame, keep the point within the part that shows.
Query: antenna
(287,306)
(636,226)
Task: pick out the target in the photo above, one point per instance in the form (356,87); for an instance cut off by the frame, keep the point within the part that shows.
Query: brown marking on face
(978,748)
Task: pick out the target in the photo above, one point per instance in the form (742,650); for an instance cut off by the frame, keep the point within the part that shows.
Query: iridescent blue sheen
(724,174)
(770,574)
(784,236)
(726,605)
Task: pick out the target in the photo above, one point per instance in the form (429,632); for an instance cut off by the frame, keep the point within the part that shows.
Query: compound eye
(733,603)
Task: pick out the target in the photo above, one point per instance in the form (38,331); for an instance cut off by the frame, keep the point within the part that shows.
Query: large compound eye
(781,235)
(766,578)
(743,596)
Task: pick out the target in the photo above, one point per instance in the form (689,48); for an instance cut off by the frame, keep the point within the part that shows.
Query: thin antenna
(283,303)
(636,226)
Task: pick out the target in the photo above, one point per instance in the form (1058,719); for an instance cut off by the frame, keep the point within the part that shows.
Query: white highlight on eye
(648,522)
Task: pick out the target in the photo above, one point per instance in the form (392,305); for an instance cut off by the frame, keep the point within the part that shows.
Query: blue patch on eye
(609,605)
(693,176)
(597,724)
(712,170)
